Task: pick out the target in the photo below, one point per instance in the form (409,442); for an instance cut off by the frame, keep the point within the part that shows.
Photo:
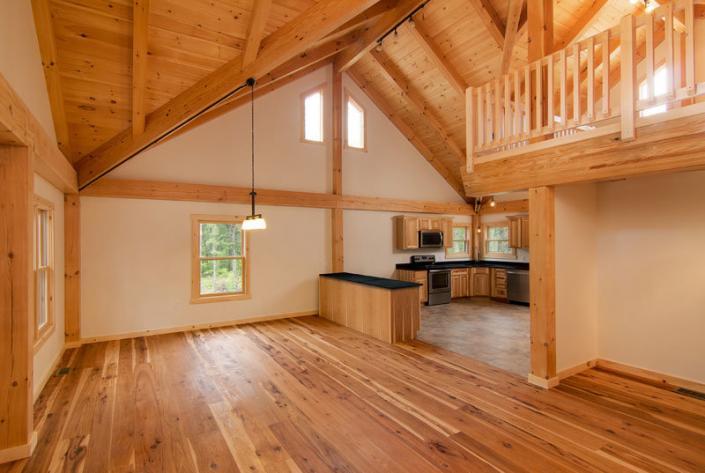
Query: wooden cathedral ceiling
(417,77)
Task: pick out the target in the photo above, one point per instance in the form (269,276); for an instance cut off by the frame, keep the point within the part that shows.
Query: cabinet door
(464,286)
(411,233)
(455,286)
(524,223)
(481,284)
(436,224)
(514,233)
(423,290)
(424,224)
(447,229)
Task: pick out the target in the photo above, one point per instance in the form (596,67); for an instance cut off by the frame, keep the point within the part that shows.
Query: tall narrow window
(355,122)
(43,269)
(312,116)
(660,88)
(461,242)
(220,266)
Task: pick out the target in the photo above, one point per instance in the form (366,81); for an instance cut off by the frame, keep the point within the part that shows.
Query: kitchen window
(355,125)
(312,115)
(220,263)
(496,241)
(43,270)
(461,242)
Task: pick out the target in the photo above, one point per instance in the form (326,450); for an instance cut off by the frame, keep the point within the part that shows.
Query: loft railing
(589,88)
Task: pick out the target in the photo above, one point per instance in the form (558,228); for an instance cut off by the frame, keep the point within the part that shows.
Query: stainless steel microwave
(430,239)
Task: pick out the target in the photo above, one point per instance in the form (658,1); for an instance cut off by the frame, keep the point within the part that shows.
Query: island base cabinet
(388,315)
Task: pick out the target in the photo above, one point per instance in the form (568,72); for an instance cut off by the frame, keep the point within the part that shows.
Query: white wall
(651,263)
(576,274)
(21,65)
(136,254)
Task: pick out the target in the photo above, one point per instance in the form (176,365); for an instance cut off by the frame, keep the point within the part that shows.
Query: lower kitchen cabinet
(420,277)
(459,283)
(480,285)
(499,283)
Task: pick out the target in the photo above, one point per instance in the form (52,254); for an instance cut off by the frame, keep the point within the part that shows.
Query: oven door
(438,281)
(430,239)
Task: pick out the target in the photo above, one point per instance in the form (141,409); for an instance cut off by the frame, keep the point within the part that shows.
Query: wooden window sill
(219,298)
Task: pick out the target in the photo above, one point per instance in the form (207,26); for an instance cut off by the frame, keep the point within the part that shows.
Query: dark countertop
(383,283)
(463,264)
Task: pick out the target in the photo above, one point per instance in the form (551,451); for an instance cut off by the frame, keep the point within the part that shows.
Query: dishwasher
(518,285)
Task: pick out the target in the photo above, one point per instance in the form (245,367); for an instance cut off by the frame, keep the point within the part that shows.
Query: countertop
(383,283)
(462,264)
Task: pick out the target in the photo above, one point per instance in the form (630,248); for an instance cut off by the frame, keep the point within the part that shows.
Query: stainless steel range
(438,280)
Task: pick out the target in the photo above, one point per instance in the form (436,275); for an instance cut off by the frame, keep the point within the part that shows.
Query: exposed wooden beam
(140,52)
(506,206)
(364,19)
(494,24)
(72,268)
(417,101)
(255,33)
(16,303)
(18,127)
(582,24)
(47,48)
(369,39)
(337,240)
(295,37)
(179,191)
(542,285)
(511,33)
(410,135)
(540,24)
(418,31)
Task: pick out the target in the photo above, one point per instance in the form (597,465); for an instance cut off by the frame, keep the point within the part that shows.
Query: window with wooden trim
(461,235)
(312,116)
(43,270)
(355,124)
(496,241)
(220,263)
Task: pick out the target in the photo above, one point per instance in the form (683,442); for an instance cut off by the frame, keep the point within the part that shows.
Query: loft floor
(307,395)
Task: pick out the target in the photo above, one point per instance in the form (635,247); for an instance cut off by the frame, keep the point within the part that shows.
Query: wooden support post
(470,131)
(540,22)
(628,85)
(337,213)
(72,268)
(16,303)
(542,286)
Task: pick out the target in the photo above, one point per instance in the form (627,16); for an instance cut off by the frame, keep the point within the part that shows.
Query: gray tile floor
(489,331)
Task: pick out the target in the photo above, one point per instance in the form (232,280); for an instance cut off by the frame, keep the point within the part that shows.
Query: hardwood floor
(480,328)
(307,395)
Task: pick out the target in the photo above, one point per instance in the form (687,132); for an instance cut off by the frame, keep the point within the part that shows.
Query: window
(312,111)
(43,270)
(461,242)
(496,243)
(220,266)
(355,124)
(660,88)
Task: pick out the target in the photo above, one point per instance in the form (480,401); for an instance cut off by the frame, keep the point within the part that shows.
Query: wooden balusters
(650,83)
(507,112)
(689,46)
(627,78)
(550,120)
(668,25)
(606,74)
(527,100)
(517,106)
(563,68)
(576,83)
(470,128)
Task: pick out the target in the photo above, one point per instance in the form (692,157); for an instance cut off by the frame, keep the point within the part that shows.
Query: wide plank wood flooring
(307,395)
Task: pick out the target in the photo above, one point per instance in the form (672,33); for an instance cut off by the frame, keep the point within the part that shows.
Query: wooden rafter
(47,49)
(140,32)
(582,24)
(417,101)
(418,31)
(511,33)
(291,39)
(255,33)
(406,130)
(494,24)
(368,40)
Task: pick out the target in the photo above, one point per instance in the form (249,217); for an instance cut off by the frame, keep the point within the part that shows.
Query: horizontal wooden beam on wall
(179,191)
(507,206)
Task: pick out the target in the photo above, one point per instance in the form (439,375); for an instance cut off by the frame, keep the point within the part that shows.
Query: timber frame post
(542,286)
(72,268)
(337,241)
(16,303)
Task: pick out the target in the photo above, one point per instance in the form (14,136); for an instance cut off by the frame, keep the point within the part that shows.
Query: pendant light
(253,221)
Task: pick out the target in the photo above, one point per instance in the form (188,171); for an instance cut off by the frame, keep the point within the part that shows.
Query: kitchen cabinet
(499,283)
(420,277)
(480,281)
(407,230)
(459,283)
(519,231)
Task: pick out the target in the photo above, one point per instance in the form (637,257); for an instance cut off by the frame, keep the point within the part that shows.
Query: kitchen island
(386,309)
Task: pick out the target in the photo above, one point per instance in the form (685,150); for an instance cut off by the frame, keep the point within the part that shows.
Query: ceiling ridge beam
(369,39)
(47,48)
(382,104)
(494,24)
(456,81)
(140,52)
(416,100)
(255,33)
(291,39)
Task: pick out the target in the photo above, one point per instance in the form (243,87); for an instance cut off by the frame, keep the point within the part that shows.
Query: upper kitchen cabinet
(519,231)
(407,230)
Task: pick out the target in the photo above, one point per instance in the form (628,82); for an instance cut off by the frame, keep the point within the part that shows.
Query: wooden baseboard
(186,328)
(543,382)
(18,452)
(568,372)
(650,377)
